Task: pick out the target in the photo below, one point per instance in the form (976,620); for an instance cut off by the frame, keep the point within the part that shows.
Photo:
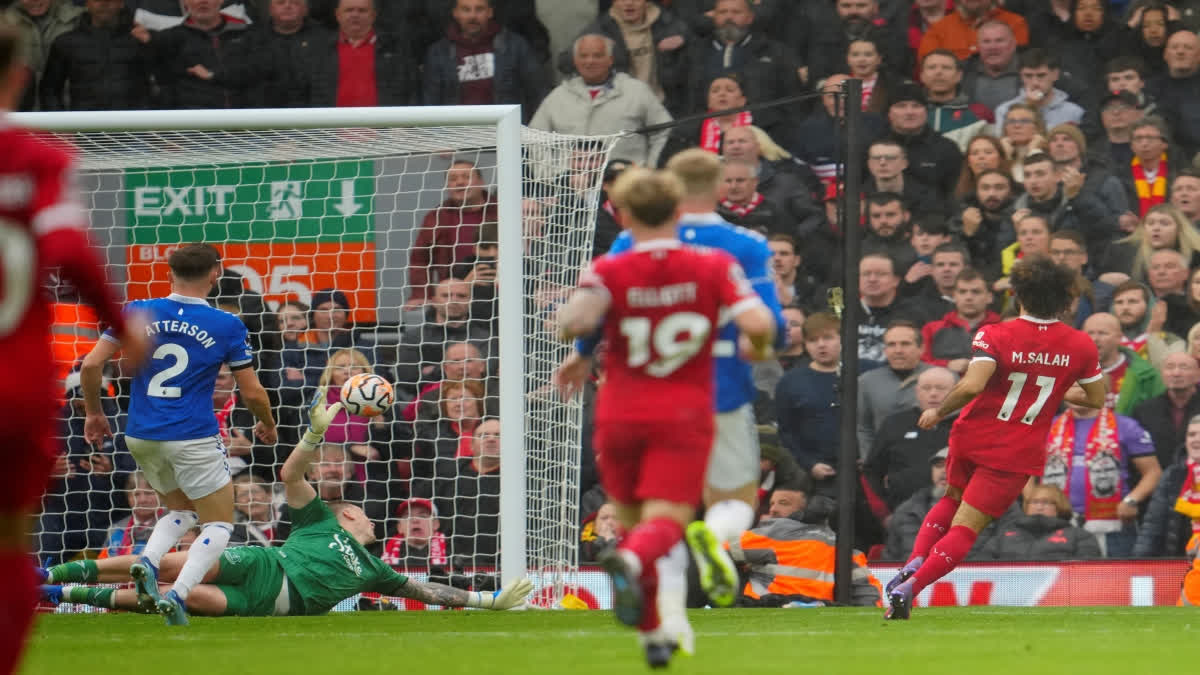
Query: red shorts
(29,454)
(989,490)
(641,460)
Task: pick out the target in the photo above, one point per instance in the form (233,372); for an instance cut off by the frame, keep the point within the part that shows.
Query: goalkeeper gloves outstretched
(511,595)
(320,417)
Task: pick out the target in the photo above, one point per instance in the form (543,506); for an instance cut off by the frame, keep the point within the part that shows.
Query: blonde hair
(767,147)
(1061,504)
(649,196)
(357,358)
(698,170)
(1187,239)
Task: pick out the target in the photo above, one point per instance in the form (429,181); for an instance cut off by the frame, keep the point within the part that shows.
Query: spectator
(285,40)
(650,43)
(1131,379)
(865,61)
(600,534)
(418,543)
(204,62)
(1122,74)
(1166,416)
(906,519)
(254,517)
(42,22)
(887,160)
(1153,165)
(129,535)
(1141,326)
(98,65)
(938,268)
(1043,532)
(794,355)
(359,67)
(235,425)
(788,182)
(889,229)
(796,285)
(350,431)
(159,15)
(985,223)
(480,62)
(948,340)
(1185,194)
(472,494)
(331,331)
(445,434)
(883,392)
(767,67)
(1162,228)
(991,77)
(829,34)
(1067,247)
(932,159)
(1118,113)
(1178,90)
(1023,134)
(1068,148)
(1092,39)
(1033,238)
(447,319)
(460,361)
(1090,456)
(896,468)
(1172,520)
(877,274)
(726,92)
(1151,24)
(744,205)
(816,136)
(804,402)
(1168,274)
(332,475)
(790,555)
(1184,312)
(951,113)
(1057,194)
(984,152)
(957,30)
(449,233)
(600,100)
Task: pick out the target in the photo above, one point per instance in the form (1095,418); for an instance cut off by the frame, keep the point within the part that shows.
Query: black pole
(847,469)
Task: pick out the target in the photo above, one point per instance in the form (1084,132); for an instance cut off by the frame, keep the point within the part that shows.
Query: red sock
(650,620)
(937,523)
(18,600)
(945,556)
(650,540)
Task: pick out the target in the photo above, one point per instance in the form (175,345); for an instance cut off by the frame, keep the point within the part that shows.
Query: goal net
(352,241)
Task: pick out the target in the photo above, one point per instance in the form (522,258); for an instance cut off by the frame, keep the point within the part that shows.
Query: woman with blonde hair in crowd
(349,430)
(1044,531)
(984,152)
(1163,227)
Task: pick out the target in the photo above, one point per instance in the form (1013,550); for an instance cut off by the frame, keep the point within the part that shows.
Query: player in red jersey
(42,227)
(1018,377)
(660,305)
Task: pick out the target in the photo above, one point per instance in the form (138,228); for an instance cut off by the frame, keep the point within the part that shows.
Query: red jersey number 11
(1045,386)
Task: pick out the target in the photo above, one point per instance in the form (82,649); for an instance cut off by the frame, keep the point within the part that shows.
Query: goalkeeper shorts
(252,580)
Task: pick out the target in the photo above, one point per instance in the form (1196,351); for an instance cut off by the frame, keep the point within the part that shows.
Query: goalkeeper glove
(320,417)
(512,595)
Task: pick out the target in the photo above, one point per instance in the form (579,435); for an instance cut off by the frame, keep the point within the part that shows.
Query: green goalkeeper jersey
(325,565)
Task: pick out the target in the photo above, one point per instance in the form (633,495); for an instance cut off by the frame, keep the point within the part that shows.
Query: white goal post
(153,178)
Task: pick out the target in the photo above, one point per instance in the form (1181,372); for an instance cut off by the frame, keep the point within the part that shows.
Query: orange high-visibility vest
(73,334)
(803,566)
(1190,596)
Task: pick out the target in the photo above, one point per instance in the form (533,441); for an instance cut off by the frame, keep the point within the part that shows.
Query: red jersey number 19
(677,338)
(1045,386)
(17,257)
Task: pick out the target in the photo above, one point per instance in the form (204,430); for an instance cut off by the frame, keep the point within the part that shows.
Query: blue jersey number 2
(156,386)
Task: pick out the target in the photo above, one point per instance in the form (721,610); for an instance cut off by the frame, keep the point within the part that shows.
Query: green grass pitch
(958,641)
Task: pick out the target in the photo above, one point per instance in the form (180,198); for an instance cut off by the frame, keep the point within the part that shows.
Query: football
(367,395)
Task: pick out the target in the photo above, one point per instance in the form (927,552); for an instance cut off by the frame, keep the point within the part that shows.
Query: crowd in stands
(995,129)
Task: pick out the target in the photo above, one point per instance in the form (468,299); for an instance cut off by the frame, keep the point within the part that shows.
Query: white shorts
(734,460)
(199,467)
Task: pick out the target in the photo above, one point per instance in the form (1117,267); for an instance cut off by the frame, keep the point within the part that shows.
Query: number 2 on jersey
(1045,386)
(673,351)
(155,387)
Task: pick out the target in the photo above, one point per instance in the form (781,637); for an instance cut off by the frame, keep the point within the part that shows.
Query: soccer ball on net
(367,395)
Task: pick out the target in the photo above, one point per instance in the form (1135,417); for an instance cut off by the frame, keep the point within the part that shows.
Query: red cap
(405,505)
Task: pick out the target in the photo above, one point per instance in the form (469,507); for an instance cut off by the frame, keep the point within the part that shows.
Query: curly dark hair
(1043,289)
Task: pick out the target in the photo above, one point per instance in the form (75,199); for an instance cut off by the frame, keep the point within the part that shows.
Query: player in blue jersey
(731,490)
(172,430)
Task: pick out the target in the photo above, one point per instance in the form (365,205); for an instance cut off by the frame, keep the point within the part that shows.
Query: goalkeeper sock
(167,532)
(79,572)
(672,584)
(945,556)
(728,519)
(202,556)
(937,523)
(650,540)
(90,595)
(18,599)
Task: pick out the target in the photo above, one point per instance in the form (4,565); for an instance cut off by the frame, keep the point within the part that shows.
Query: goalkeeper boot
(910,568)
(173,609)
(145,583)
(718,575)
(901,599)
(627,588)
(51,594)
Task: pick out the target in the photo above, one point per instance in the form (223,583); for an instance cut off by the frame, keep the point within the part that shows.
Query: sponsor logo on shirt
(342,545)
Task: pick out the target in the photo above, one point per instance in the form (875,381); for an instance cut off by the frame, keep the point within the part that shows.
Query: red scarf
(1138,345)
(1116,376)
(1188,502)
(710,131)
(223,419)
(742,210)
(1101,455)
(1149,194)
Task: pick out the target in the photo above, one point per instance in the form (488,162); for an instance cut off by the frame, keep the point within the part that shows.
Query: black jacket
(1041,538)
(227,51)
(933,159)
(994,234)
(767,68)
(898,465)
(94,68)
(395,73)
(1165,531)
(517,77)
(470,505)
(1155,417)
(1179,102)
(281,61)
(766,218)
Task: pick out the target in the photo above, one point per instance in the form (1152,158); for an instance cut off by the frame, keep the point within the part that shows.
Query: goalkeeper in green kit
(322,562)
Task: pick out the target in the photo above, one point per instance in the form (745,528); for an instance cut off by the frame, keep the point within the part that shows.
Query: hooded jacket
(1042,538)
(516,75)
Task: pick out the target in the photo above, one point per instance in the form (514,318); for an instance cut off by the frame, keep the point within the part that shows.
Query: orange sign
(279,271)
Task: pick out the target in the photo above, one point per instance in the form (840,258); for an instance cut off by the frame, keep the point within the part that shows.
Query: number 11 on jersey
(1045,386)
